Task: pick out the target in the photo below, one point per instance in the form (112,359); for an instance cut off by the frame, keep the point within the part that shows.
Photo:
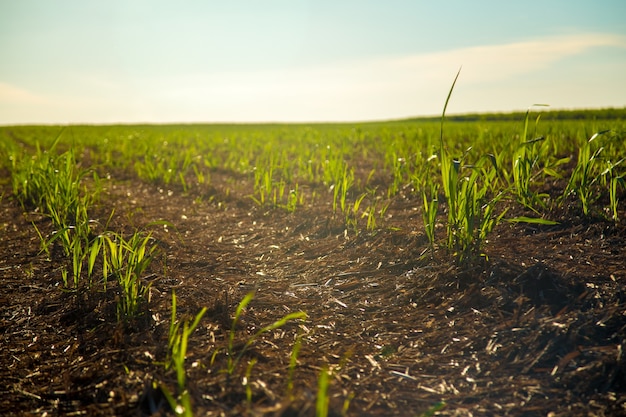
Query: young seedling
(429,213)
(322,402)
(178,341)
(233,358)
(126,260)
(586,174)
(470,210)
(293,362)
(613,195)
(526,166)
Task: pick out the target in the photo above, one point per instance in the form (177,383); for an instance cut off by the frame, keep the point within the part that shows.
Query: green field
(503,233)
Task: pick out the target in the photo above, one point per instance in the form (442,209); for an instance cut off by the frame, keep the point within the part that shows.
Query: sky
(156,61)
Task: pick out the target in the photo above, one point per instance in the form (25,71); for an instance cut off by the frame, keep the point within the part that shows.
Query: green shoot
(246,381)
(126,260)
(323,401)
(585,174)
(233,360)
(429,214)
(178,340)
(293,362)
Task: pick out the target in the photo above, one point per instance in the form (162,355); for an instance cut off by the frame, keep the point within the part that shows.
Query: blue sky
(84,61)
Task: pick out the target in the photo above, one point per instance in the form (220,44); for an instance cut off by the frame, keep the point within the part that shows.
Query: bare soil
(536,328)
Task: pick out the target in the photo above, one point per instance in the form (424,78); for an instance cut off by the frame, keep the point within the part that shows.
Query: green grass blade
(445,106)
(531,220)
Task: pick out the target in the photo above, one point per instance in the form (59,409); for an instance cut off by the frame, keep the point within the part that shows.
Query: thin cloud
(11,94)
(378,88)
(505,61)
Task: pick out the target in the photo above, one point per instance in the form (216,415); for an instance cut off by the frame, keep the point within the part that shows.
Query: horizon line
(536,108)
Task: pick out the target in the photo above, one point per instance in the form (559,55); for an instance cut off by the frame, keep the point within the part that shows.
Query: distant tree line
(546,114)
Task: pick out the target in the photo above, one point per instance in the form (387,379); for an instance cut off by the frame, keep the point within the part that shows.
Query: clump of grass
(126,259)
(470,210)
(53,185)
(526,166)
(587,175)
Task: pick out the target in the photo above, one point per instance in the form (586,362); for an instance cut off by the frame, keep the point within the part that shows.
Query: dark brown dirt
(537,329)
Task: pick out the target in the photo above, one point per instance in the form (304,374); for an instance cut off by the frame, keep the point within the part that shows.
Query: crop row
(468,174)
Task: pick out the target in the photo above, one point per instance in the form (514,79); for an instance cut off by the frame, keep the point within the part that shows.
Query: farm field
(471,267)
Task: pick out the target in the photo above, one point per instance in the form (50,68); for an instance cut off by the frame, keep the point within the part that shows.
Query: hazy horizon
(437,117)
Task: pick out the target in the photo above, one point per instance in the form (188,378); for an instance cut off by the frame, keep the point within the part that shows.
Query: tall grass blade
(322,401)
